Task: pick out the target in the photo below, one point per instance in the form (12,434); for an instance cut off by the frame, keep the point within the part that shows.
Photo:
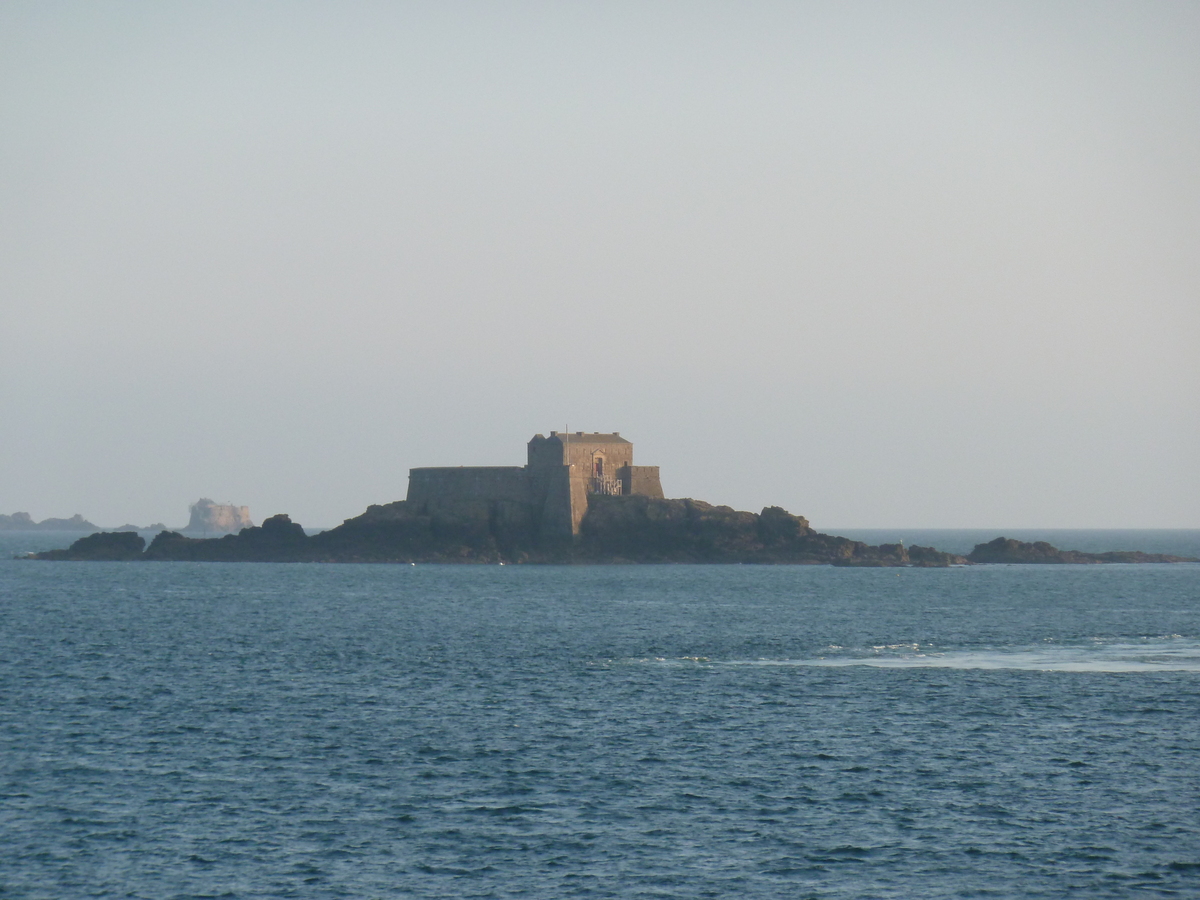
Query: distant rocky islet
(22,521)
(205,517)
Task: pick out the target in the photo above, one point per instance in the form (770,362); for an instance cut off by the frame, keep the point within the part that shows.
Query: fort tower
(548,495)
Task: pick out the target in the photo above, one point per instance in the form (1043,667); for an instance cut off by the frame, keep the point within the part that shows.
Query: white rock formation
(215,518)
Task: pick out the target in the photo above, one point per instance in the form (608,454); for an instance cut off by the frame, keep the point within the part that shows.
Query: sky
(883,264)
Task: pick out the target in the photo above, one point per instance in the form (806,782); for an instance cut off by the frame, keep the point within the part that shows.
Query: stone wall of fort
(582,450)
(445,485)
(549,496)
(642,480)
(475,497)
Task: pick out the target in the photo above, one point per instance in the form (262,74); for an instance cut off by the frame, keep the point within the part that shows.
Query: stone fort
(548,495)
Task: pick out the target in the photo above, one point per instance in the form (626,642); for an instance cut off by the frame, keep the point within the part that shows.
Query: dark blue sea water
(208,730)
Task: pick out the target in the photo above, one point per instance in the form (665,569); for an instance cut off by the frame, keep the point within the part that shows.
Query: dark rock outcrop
(278,539)
(110,545)
(644,529)
(1007,550)
(616,529)
(398,532)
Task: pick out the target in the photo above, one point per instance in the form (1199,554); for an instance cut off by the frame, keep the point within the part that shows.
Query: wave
(1167,654)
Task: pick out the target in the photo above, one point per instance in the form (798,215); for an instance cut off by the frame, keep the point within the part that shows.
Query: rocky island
(1007,550)
(22,521)
(205,518)
(615,530)
(579,499)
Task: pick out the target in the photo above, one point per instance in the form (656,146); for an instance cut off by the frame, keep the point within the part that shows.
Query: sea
(207,730)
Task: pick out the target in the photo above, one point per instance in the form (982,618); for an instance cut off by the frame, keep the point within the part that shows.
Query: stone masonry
(548,495)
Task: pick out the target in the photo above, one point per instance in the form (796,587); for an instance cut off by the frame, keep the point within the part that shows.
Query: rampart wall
(464,484)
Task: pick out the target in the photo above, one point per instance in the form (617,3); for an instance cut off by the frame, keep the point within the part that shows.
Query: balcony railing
(602,484)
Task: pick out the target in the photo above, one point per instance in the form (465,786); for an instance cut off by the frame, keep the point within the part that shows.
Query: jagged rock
(279,529)
(278,539)
(926,557)
(777,527)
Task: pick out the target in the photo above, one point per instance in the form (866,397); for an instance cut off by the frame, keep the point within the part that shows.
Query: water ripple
(318,732)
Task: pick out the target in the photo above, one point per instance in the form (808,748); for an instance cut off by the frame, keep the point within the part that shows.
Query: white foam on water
(1171,655)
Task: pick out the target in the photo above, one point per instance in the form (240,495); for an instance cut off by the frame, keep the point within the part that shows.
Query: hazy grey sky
(921,264)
